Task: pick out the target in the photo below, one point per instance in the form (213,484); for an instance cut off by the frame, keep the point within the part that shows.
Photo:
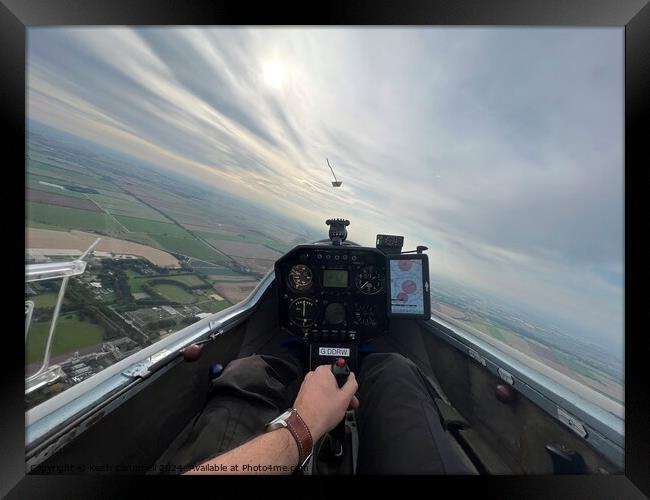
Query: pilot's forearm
(275,452)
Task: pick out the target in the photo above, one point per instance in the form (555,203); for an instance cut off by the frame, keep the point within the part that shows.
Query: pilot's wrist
(290,444)
(293,423)
(311,421)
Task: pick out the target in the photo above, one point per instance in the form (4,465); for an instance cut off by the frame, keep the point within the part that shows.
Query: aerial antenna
(335,183)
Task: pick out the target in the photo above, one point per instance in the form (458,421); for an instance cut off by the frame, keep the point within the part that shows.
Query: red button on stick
(340,362)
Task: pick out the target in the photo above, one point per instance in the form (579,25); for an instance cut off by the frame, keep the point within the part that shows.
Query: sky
(501,149)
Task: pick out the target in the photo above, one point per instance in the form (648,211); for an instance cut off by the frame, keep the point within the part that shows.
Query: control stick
(341,371)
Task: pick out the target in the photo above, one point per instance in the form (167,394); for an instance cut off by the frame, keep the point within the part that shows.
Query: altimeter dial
(370,280)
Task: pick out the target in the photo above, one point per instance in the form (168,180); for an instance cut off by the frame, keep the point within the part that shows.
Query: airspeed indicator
(300,277)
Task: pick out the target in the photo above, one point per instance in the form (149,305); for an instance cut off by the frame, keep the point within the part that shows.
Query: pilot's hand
(321,403)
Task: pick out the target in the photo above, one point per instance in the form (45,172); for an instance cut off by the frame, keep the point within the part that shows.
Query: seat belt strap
(450,416)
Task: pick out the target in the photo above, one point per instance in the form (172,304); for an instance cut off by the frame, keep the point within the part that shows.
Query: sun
(274,74)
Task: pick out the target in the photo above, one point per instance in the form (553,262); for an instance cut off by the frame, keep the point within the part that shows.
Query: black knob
(341,222)
(338,232)
(565,460)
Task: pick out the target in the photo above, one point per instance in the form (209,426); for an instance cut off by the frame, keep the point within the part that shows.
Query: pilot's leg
(399,428)
(250,392)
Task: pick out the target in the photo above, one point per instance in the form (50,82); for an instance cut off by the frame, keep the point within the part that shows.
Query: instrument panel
(333,293)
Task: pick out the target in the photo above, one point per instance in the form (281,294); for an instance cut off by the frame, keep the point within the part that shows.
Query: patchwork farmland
(73,197)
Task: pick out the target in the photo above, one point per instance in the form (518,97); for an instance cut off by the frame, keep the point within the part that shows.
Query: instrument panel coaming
(333,293)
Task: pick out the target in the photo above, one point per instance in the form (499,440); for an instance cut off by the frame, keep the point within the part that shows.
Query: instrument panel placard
(334,351)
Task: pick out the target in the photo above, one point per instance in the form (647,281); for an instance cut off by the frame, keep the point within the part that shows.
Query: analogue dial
(300,277)
(365,315)
(335,313)
(370,280)
(303,312)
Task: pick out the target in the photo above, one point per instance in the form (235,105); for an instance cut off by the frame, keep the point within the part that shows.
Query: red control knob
(191,353)
(340,362)
(504,393)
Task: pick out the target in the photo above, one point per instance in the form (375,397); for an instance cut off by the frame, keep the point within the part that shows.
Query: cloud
(500,149)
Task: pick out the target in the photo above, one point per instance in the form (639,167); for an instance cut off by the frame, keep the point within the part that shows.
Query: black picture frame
(632,15)
(424,285)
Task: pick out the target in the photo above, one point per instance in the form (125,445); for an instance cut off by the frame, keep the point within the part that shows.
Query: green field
(126,206)
(482,327)
(247,238)
(71,334)
(46,166)
(218,278)
(40,225)
(34,182)
(174,294)
(189,246)
(136,281)
(212,273)
(152,227)
(216,235)
(143,239)
(187,213)
(499,333)
(68,176)
(44,157)
(213,306)
(161,199)
(188,279)
(113,196)
(69,218)
(262,240)
(47,299)
(135,212)
(491,330)
(579,367)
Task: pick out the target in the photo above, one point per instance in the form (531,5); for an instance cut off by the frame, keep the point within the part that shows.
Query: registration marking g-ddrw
(334,351)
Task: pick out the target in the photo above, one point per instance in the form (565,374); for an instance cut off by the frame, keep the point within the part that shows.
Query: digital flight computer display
(335,278)
(390,244)
(409,295)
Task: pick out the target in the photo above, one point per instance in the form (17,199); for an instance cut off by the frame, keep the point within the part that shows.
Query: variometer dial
(369,280)
(303,312)
(300,277)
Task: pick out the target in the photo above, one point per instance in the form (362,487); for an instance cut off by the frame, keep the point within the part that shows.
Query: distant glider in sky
(335,183)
